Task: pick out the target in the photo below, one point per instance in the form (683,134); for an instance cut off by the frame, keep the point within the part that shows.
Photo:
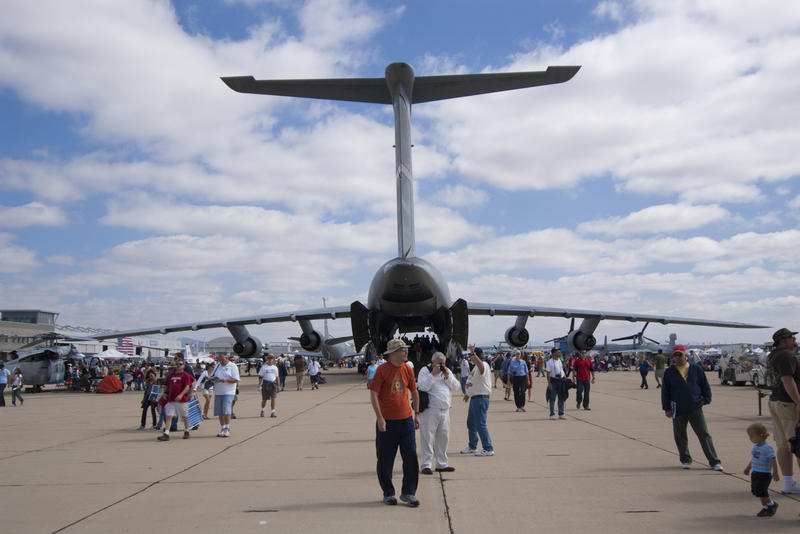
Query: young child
(764,466)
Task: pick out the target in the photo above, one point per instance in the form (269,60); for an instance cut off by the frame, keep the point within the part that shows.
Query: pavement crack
(446,505)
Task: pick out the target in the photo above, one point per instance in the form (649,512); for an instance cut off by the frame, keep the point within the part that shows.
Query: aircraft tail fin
(338,340)
(425,88)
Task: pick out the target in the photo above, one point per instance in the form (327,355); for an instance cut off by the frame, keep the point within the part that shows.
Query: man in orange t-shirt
(395,427)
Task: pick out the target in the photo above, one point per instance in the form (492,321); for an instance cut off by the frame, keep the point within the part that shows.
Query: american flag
(125,345)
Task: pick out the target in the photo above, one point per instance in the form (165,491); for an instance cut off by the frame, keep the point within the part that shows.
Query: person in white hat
(395,426)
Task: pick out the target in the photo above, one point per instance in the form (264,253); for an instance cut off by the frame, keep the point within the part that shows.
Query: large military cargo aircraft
(407,293)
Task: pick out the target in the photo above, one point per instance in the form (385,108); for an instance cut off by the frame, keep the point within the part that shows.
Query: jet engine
(517,337)
(577,340)
(583,338)
(311,340)
(251,347)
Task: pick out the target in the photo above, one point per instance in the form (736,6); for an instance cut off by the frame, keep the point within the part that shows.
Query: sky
(136,189)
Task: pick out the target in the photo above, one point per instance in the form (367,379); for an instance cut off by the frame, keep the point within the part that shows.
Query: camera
(442,367)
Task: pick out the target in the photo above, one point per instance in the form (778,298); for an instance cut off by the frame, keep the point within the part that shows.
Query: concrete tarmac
(75,462)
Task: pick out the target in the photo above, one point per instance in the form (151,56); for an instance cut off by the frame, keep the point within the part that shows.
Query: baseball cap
(679,349)
(781,334)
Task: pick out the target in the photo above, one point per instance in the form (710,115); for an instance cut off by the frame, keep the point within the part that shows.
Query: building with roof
(21,327)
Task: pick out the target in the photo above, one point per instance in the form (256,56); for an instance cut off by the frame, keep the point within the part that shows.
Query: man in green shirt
(661,364)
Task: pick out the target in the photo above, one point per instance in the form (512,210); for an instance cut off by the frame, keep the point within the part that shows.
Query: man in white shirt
(555,383)
(226,378)
(434,423)
(313,373)
(268,384)
(479,388)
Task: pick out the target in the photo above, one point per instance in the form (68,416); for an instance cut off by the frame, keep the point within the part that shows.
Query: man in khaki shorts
(784,403)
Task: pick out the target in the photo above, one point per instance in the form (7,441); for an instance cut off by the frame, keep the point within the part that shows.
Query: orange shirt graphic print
(397,385)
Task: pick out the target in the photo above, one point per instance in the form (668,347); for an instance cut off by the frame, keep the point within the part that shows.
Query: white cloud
(566,251)
(31,214)
(687,100)
(555,30)
(795,202)
(664,218)
(461,196)
(15,259)
(609,9)
(61,259)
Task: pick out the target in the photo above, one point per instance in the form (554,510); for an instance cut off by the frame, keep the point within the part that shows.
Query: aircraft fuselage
(408,294)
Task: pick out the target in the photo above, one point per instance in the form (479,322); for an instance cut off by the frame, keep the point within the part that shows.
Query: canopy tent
(112,354)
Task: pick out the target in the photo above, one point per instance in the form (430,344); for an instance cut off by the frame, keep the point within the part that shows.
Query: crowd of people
(407,394)
(402,404)
(167,393)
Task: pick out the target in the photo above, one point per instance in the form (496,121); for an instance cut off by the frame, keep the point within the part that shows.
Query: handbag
(424,400)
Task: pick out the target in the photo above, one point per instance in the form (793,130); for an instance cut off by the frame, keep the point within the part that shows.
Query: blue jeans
(557,391)
(644,379)
(399,433)
(2,397)
(476,422)
(152,408)
(464,384)
(582,393)
(16,394)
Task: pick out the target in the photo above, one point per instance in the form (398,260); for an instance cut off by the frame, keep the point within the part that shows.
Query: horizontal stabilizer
(425,88)
(430,88)
(373,90)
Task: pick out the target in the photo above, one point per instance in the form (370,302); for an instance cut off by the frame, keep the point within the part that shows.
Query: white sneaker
(226,433)
(717,467)
(262,413)
(562,416)
(484,452)
(686,465)
(791,489)
(467,450)
(552,417)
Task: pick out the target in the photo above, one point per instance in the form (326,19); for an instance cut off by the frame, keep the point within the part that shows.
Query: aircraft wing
(318,313)
(480,308)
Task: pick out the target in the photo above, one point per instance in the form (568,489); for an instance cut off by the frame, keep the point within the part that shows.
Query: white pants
(434,435)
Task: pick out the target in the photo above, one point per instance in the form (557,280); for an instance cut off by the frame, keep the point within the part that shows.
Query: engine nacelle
(250,348)
(311,341)
(517,337)
(577,340)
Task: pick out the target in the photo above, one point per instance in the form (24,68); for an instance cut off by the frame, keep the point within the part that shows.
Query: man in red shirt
(584,370)
(395,427)
(176,390)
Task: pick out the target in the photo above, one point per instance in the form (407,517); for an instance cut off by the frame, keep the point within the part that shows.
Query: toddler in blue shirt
(764,467)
